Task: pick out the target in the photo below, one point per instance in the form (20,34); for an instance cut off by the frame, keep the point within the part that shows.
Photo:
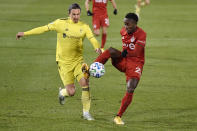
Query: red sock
(104,36)
(103,57)
(125,103)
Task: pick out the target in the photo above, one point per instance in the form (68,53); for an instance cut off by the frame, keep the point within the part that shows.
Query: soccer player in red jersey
(130,60)
(100,17)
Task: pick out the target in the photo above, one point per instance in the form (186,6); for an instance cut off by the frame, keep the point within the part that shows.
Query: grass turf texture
(164,100)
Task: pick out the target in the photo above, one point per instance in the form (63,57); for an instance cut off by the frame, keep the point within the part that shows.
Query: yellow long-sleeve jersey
(70,38)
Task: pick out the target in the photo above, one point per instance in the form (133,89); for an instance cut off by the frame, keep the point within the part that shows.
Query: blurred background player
(100,17)
(140,3)
(130,60)
(70,34)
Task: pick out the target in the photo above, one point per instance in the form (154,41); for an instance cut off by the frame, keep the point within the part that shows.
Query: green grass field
(165,100)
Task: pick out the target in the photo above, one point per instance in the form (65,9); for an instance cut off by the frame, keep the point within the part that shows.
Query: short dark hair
(132,16)
(73,6)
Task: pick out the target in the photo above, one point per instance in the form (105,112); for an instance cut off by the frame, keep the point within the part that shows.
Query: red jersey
(134,44)
(99,7)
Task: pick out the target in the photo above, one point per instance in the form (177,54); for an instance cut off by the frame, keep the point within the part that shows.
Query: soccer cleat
(102,50)
(118,120)
(61,97)
(85,70)
(87,116)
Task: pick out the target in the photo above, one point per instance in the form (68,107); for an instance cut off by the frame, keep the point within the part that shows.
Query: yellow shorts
(68,73)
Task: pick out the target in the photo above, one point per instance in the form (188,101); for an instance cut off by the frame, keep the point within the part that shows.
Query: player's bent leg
(109,53)
(114,53)
(85,98)
(68,90)
(103,58)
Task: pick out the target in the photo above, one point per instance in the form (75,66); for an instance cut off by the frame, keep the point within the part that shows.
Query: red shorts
(131,69)
(99,21)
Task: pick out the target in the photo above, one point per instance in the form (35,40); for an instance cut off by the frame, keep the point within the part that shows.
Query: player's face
(75,15)
(130,25)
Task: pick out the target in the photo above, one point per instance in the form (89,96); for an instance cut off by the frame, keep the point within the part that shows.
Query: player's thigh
(66,73)
(119,63)
(96,22)
(134,70)
(104,21)
(78,71)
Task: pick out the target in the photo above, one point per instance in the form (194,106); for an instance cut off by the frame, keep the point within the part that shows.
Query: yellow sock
(142,3)
(137,10)
(64,92)
(85,98)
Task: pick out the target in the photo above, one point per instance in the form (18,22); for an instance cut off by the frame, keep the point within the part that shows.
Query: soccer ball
(97,69)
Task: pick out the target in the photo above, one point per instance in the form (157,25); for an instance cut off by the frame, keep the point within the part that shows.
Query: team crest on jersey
(81,30)
(132,39)
(66,29)
(64,35)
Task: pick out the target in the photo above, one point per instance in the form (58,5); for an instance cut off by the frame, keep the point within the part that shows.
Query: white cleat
(87,116)
(61,97)
(118,120)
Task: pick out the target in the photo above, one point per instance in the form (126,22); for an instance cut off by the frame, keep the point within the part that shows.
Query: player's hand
(89,13)
(124,53)
(98,51)
(19,35)
(115,12)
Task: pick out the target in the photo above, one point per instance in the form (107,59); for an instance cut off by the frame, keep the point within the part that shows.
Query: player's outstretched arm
(19,35)
(35,31)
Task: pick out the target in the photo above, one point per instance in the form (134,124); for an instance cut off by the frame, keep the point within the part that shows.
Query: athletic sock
(125,103)
(103,57)
(64,92)
(142,3)
(85,98)
(137,10)
(104,36)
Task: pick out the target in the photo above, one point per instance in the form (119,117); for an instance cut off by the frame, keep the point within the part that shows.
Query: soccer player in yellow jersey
(140,3)
(69,54)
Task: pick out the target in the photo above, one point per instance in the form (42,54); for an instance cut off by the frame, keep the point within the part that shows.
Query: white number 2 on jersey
(138,70)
